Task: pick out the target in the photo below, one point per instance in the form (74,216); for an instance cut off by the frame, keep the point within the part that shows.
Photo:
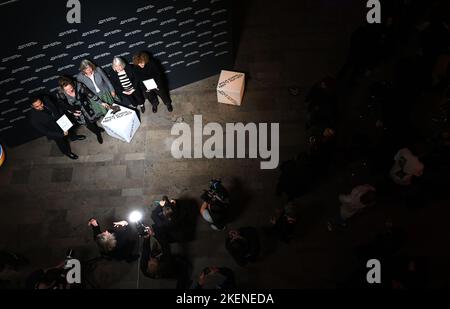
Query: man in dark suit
(43,118)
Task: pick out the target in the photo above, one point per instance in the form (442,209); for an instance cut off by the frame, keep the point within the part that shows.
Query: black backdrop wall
(192,39)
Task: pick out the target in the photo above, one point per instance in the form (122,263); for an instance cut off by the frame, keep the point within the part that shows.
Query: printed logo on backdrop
(181,36)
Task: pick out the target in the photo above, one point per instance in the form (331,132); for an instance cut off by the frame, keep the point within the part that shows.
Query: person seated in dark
(165,216)
(297,178)
(243,245)
(118,243)
(220,278)
(284,222)
(43,117)
(146,69)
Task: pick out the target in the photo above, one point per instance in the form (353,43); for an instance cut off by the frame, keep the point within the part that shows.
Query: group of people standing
(86,99)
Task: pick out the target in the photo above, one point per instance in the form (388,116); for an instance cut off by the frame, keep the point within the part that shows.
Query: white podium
(122,125)
(230,89)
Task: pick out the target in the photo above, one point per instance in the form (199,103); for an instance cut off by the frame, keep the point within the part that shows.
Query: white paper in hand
(150,84)
(64,123)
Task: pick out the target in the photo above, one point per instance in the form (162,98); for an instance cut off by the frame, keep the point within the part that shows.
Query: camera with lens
(142,230)
(216,194)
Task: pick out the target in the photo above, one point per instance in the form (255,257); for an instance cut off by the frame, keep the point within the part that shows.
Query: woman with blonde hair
(125,82)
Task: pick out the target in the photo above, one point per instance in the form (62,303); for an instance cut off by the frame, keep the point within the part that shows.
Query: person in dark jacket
(284,222)
(155,256)
(127,86)
(43,117)
(84,106)
(165,217)
(157,262)
(118,243)
(243,245)
(147,69)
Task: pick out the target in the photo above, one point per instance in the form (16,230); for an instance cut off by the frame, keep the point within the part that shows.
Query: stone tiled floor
(46,199)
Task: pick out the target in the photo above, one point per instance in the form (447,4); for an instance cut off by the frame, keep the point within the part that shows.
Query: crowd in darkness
(398,136)
(394,140)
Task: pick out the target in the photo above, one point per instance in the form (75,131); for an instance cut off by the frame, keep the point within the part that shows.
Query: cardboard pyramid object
(230,89)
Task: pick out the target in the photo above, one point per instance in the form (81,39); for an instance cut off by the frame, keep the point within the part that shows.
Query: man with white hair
(117,243)
(126,84)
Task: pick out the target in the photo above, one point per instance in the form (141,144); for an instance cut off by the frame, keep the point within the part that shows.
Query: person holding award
(44,117)
(152,81)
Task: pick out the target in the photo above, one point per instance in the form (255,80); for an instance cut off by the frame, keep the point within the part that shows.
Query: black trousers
(153,95)
(63,145)
(94,128)
(133,100)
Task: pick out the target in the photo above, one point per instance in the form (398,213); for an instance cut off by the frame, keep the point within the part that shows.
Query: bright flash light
(135,216)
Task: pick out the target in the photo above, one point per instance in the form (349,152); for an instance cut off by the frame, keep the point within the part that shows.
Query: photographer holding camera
(165,216)
(154,255)
(117,243)
(220,278)
(53,278)
(214,208)
(157,261)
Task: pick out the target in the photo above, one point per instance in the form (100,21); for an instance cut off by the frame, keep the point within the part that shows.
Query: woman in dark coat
(147,69)
(126,84)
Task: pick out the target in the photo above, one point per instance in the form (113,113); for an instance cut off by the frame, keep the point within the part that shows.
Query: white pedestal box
(230,89)
(122,125)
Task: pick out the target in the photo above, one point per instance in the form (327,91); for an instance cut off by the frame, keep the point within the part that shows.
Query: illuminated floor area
(46,199)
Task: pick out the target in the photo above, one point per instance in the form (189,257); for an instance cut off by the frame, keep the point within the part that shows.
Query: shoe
(142,108)
(155,109)
(100,139)
(170,108)
(78,138)
(215,228)
(72,156)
